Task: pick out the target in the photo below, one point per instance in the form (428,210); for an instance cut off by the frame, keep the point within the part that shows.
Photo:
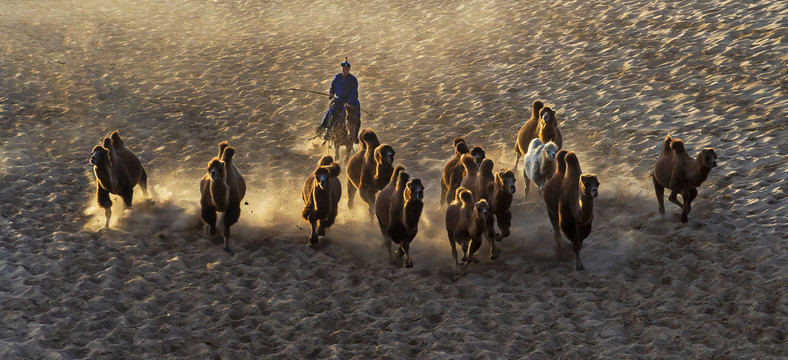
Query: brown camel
(528,131)
(321,194)
(369,170)
(681,174)
(222,188)
(117,170)
(569,196)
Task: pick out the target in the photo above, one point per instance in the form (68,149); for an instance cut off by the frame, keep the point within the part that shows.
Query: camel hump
(214,163)
(486,166)
(117,141)
(402,179)
(325,160)
(572,162)
(537,106)
(333,169)
(677,145)
(106,143)
(462,148)
(469,162)
(458,140)
(228,153)
(666,144)
(395,173)
(465,196)
(560,160)
(535,143)
(368,139)
(223,145)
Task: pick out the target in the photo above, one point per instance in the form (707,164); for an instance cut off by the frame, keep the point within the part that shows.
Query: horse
(343,127)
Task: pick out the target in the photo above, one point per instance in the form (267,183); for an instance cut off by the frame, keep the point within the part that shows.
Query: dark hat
(345,64)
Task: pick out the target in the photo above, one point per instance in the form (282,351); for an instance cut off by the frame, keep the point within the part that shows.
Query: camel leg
(208,216)
(229,218)
(351,193)
(405,248)
(673,198)
(504,223)
(556,233)
(517,161)
(577,246)
(494,251)
(688,196)
(473,246)
(660,191)
(105,202)
(127,195)
(313,232)
(454,250)
(387,244)
(371,211)
(144,182)
(527,187)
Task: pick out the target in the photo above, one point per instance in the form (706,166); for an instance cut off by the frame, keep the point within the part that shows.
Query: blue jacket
(345,88)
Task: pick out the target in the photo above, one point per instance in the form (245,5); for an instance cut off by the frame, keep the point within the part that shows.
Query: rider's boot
(325,135)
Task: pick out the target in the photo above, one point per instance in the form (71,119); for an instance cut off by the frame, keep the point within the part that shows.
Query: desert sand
(177,77)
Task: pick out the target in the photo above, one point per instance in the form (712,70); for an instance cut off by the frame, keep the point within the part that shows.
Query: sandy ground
(177,77)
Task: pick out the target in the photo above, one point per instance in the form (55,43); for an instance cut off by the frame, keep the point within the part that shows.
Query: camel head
(548,117)
(478,154)
(505,181)
(550,150)
(414,190)
(589,185)
(708,158)
(99,157)
(384,154)
(482,209)
(323,177)
(217,171)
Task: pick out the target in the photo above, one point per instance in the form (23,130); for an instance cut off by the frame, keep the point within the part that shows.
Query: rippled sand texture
(177,77)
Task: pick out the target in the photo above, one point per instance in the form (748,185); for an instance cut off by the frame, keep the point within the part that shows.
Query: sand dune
(175,78)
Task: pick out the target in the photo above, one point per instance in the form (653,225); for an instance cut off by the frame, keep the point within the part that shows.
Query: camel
(528,131)
(321,194)
(539,165)
(117,170)
(482,184)
(398,208)
(548,127)
(369,169)
(569,196)
(500,201)
(465,225)
(222,188)
(681,174)
(452,172)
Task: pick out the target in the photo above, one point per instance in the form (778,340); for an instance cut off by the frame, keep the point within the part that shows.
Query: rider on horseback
(343,93)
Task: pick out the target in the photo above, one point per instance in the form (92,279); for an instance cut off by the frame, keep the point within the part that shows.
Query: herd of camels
(478,198)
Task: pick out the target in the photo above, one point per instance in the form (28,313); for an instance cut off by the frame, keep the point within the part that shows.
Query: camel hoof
(579,267)
(228,251)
